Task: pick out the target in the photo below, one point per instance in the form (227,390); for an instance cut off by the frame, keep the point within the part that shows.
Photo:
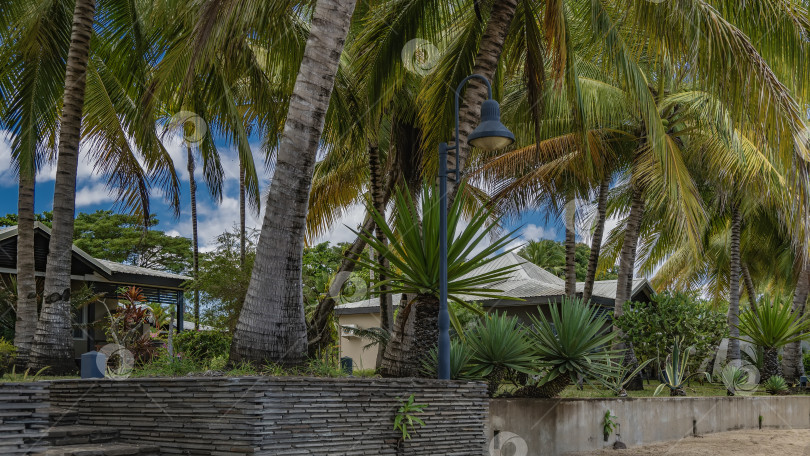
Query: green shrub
(775,384)
(202,346)
(806,361)
(8,353)
(163,365)
(651,327)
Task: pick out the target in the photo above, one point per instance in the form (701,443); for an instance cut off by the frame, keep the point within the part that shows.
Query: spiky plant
(499,346)
(776,384)
(460,356)
(771,327)
(570,344)
(674,376)
(412,268)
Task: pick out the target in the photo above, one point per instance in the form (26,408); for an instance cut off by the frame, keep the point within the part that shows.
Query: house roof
(87,265)
(529,284)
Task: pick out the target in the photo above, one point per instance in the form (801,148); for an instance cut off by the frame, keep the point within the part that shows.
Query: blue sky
(214,218)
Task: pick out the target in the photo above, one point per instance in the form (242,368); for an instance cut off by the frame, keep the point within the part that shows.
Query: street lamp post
(490,134)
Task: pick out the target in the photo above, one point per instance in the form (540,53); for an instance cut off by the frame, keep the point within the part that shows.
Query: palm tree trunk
(596,242)
(377,196)
(195,257)
(734,286)
(416,333)
(242,230)
(486,62)
(26,324)
(792,364)
(271,325)
(770,364)
(750,289)
(53,341)
(624,283)
(570,249)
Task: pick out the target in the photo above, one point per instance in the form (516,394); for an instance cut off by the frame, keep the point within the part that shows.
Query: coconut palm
(771,327)
(271,326)
(545,253)
(413,269)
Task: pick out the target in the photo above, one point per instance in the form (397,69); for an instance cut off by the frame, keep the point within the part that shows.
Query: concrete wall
(280,415)
(559,426)
(23,417)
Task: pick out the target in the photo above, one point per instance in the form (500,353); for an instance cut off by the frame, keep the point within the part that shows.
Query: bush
(163,365)
(202,346)
(775,384)
(806,361)
(8,353)
(651,327)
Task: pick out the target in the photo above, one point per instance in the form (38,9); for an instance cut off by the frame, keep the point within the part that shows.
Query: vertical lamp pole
(490,134)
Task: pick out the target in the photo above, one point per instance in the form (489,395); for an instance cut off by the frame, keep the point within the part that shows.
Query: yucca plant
(773,326)
(574,342)
(460,356)
(776,384)
(499,346)
(412,268)
(674,375)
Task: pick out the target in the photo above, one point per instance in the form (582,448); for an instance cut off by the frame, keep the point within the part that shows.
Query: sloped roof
(527,282)
(130,269)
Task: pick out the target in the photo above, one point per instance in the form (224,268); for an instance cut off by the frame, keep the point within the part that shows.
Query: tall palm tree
(271,326)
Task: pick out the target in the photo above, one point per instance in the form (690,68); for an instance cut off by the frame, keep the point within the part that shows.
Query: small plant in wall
(609,425)
(406,420)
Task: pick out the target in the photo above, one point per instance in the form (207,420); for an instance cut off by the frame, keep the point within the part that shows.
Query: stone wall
(23,417)
(560,426)
(281,415)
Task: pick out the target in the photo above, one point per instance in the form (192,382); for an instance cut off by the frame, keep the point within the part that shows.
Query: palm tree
(545,253)
(413,270)
(596,240)
(792,365)
(271,326)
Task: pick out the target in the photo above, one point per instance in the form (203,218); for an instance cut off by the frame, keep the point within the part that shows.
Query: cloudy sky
(214,218)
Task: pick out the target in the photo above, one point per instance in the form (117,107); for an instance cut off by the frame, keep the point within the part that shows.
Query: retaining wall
(559,426)
(281,415)
(23,417)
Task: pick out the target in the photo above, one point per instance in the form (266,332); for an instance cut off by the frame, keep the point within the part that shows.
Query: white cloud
(534,232)
(8,177)
(342,229)
(93,194)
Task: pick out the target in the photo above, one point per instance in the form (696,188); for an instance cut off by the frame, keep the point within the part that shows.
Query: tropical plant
(8,354)
(772,326)
(574,342)
(621,374)
(412,268)
(547,254)
(406,420)
(460,361)
(499,347)
(775,384)
(608,424)
(26,376)
(675,375)
(651,326)
(202,346)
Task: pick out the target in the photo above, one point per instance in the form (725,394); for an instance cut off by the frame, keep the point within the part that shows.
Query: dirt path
(736,443)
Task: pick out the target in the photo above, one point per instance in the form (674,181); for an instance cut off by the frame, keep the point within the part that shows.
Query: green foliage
(26,376)
(651,327)
(163,365)
(320,263)
(608,424)
(46,218)
(460,357)
(122,238)
(573,342)
(499,346)
(223,281)
(773,325)
(406,418)
(806,361)
(202,346)
(620,374)
(550,255)
(413,253)
(364,373)
(735,379)
(8,354)
(775,384)
(675,374)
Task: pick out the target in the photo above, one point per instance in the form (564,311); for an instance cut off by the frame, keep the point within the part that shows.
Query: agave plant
(736,379)
(573,343)
(412,268)
(620,375)
(499,347)
(771,327)
(776,384)
(674,375)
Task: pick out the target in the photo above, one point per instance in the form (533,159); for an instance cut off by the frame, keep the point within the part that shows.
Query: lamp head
(490,134)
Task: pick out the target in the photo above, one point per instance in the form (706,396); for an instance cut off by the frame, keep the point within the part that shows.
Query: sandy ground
(736,443)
